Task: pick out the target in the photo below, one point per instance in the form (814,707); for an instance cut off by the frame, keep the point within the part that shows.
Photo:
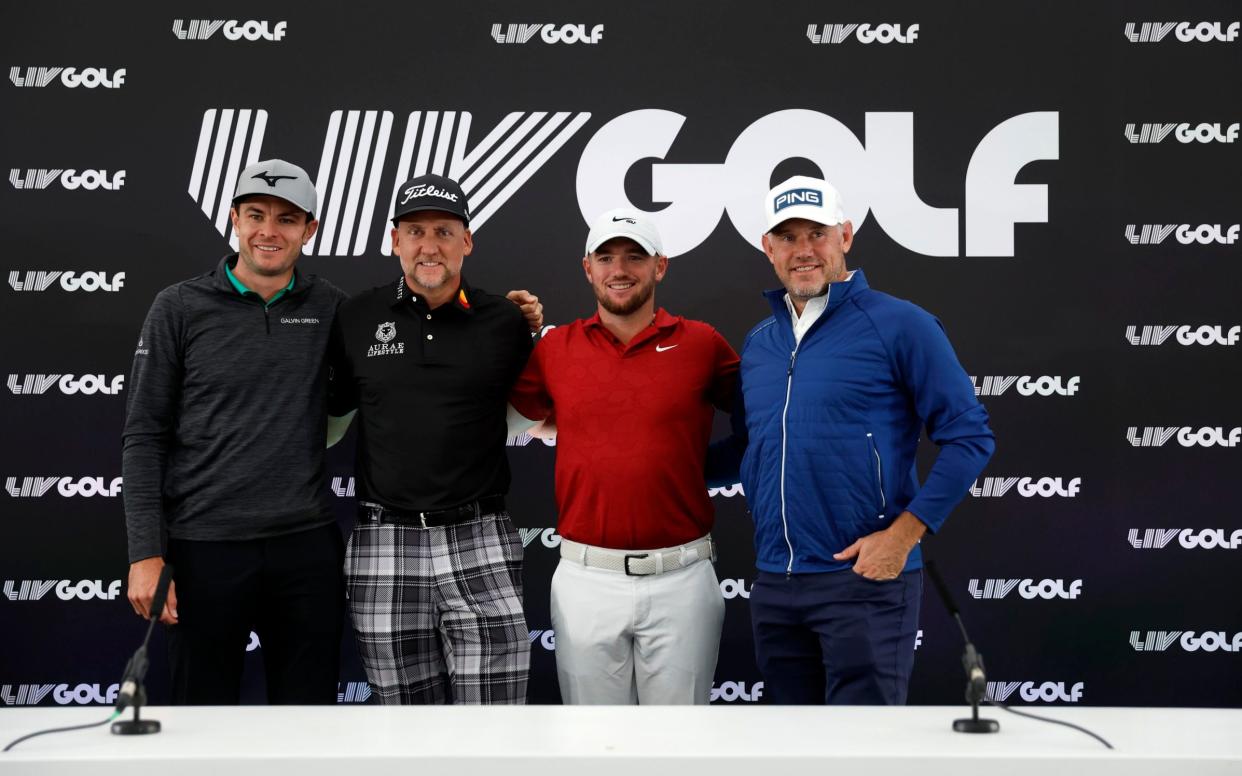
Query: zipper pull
(792,357)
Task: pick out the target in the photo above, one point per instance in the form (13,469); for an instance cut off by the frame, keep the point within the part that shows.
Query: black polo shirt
(430,387)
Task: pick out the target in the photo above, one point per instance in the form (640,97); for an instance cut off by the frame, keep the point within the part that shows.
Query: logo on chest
(386,333)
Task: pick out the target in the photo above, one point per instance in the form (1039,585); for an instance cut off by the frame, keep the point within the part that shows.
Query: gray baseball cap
(278,178)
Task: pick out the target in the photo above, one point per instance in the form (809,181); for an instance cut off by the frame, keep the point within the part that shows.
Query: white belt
(639,564)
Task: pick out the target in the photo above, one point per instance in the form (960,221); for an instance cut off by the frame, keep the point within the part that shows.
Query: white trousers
(625,639)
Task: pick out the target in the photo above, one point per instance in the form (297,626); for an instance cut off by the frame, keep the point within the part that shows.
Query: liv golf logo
(87,385)
(1187,436)
(1183,32)
(1186,335)
(544,638)
(42,280)
(1030,589)
(863,33)
(1186,234)
(1032,692)
(66,589)
(1185,133)
(1190,641)
(1047,385)
(69,77)
(357,192)
(548,537)
(730,692)
(60,694)
(1028,487)
(548,33)
(204,29)
(1188,538)
(36,487)
(72,180)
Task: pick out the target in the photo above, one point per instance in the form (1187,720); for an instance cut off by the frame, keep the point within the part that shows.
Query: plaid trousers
(437,612)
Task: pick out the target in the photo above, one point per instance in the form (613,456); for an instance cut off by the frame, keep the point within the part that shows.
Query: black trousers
(288,589)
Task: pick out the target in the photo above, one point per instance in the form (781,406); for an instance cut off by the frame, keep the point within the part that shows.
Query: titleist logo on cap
(427,190)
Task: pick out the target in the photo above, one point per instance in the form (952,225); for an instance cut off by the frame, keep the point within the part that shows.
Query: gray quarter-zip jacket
(225,419)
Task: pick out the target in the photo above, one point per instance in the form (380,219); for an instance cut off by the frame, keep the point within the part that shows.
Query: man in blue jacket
(836,387)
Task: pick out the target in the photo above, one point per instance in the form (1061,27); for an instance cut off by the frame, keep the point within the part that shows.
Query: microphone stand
(135,672)
(972,662)
(976,690)
(133,693)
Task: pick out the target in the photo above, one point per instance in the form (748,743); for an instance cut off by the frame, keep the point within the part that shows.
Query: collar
(814,302)
(227,282)
(662,320)
(241,287)
(661,323)
(855,283)
(405,295)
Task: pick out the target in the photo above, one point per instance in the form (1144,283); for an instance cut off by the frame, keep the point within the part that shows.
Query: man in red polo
(636,605)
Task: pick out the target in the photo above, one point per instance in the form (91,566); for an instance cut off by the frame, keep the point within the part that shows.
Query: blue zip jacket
(831,427)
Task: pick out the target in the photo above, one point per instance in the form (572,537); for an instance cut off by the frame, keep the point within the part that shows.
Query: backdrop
(1058,184)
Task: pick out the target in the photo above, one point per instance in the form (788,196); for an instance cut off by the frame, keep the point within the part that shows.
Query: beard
(809,288)
(441,278)
(805,290)
(627,307)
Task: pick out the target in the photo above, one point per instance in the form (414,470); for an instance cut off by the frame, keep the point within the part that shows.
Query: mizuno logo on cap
(270,179)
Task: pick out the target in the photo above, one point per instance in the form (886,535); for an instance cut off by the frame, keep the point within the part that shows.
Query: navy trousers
(835,638)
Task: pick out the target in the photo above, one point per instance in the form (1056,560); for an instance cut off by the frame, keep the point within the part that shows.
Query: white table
(625,741)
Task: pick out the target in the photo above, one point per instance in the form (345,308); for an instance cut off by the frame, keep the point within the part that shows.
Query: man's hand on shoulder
(882,555)
(530,306)
(144,577)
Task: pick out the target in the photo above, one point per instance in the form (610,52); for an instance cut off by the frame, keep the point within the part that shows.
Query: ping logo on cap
(798,197)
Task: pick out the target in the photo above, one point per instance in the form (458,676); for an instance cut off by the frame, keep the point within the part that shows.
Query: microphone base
(136,727)
(972,725)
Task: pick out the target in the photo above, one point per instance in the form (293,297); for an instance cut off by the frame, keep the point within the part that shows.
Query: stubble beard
(445,277)
(628,307)
(804,290)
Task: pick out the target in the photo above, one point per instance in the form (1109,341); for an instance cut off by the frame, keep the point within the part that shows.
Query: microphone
(161,595)
(132,693)
(972,662)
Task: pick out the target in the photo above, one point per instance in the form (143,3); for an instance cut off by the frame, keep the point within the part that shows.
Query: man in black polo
(224,458)
(433,567)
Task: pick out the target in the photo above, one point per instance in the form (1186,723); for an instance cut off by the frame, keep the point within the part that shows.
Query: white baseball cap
(803,197)
(625,222)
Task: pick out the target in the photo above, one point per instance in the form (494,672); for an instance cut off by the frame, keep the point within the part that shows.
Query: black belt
(377,513)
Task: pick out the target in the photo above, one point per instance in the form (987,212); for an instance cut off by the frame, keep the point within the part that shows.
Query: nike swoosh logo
(662,348)
(627,220)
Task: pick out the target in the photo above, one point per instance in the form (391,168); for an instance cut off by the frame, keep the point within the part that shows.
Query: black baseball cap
(431,192)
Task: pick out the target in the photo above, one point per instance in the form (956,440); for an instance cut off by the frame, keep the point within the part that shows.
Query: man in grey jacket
(224,458)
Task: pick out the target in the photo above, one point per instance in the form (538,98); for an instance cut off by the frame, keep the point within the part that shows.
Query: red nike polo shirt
(633,422)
